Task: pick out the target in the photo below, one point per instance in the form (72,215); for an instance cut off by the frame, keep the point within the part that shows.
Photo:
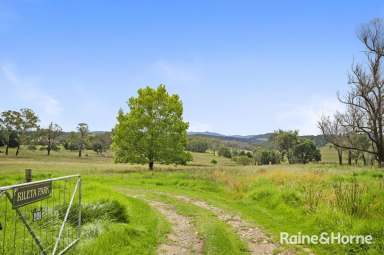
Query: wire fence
(41,217)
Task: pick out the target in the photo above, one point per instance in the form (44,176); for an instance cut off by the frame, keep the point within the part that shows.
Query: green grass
(277,198)
(218,237)
(141,235)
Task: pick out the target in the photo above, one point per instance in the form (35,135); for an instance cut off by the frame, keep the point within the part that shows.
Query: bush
(244,153)
(243,160)
(98,147)
(291,198)
(54,147)
(31,147)
(214,161)
(225,152)
(267,156)
(71,146)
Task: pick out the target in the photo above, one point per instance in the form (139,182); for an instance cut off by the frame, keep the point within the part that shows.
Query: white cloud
(27,92)
(305,116)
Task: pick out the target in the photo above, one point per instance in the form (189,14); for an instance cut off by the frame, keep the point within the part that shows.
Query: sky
(240,67)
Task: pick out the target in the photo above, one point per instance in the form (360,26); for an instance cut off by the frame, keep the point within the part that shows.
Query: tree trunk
(380,159)
(364,159)
(6,150)
(49,147)
(17,150)
(150,165)
(80,149)
(380,154)
(340,155)
(350,157)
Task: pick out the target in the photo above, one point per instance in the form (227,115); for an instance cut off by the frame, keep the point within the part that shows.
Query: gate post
(28,175)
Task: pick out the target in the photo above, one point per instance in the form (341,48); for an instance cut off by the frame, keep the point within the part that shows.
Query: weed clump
(291,198)
(349,197)
(108,210)
(102,210)
(313,194)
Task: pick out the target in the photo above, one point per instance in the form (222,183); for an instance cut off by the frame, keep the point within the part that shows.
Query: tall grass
(349,197)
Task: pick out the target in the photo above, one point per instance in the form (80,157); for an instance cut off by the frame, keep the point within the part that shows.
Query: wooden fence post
(28,175)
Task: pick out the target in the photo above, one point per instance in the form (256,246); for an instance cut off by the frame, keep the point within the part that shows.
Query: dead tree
(334,133)
(365,98)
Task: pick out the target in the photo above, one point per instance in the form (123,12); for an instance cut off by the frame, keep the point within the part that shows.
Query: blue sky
(240,67)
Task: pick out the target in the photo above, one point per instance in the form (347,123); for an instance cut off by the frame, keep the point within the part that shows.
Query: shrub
(214,161)
(98,147)
(54,147)
(244,153)
(73,146)
(291,198)
(262,194)
(267,156)
(243,160)
(31,147)
(225,152)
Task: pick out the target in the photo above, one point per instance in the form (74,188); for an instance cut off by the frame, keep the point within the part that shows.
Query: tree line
(282,146)
(359,129)
(18,128)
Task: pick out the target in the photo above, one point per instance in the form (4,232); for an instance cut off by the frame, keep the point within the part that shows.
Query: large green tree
(305,151)
(285,141)
(9,123)
(152,131)
(26,124)
(20,123)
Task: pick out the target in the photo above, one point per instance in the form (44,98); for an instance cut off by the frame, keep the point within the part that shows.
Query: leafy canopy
(153,130)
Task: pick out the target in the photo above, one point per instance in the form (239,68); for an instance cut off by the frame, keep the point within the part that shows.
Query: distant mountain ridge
(254,139)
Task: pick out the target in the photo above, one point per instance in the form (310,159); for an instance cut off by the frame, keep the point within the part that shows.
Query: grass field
(310,199)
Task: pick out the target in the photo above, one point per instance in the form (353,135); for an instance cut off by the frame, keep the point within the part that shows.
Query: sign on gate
(42,217)
(31,193)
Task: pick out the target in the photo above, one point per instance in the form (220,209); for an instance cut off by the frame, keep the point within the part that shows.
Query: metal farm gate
(41,217)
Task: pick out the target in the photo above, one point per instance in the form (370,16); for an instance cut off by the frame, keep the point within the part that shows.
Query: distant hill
(240,141)
(262,139)
(254,139)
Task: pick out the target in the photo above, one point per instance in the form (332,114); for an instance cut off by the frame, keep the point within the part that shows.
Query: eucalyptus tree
(9,122)
(19,123)
(334,133)
(285,141)
(27,123)
(50,135)
(83,130)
